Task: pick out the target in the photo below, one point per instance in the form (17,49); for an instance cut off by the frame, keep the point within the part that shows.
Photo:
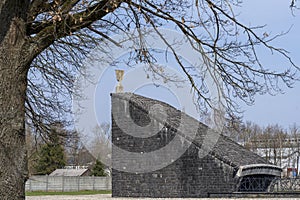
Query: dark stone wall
(188,176)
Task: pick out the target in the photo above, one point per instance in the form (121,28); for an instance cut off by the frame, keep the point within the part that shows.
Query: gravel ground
(108,197)
(71,197)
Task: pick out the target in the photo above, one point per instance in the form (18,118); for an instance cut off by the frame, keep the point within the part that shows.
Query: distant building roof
(225,149)
(70,172)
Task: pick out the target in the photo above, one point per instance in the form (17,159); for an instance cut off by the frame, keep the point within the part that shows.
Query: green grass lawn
(84,192)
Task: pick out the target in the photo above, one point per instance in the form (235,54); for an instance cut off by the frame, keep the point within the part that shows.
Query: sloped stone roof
(223,149)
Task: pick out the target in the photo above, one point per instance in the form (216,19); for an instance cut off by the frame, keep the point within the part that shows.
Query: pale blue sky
(283,109)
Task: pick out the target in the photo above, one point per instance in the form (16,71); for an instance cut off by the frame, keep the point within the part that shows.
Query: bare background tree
(100,145)
(294,143)
(276,144)
(43,44)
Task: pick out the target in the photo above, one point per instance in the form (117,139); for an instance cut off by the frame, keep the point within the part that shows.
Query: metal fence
(256,187)
(68,183)
(285,185)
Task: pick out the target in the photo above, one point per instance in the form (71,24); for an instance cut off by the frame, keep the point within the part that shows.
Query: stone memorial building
(211,163)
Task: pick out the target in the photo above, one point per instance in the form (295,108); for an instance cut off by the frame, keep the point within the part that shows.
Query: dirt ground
(108,197)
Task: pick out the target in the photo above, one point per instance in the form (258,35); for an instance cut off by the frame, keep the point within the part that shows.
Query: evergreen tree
(98,169)
(51,157)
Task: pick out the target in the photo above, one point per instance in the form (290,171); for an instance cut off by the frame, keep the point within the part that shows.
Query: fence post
(47,179)
(107,182)
(93,182)
(63,183)
(78,178)
(29,183)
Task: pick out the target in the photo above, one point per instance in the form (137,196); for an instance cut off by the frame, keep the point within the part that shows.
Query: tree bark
(14,65)
(13,167)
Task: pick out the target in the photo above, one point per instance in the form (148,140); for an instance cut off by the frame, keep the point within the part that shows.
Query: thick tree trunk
(14,62)
(13,168)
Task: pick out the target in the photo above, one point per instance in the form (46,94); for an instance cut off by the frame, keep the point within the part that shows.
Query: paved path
(72,197)
(108,197)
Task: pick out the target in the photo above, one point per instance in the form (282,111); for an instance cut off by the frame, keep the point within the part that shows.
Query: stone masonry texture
(189,175)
